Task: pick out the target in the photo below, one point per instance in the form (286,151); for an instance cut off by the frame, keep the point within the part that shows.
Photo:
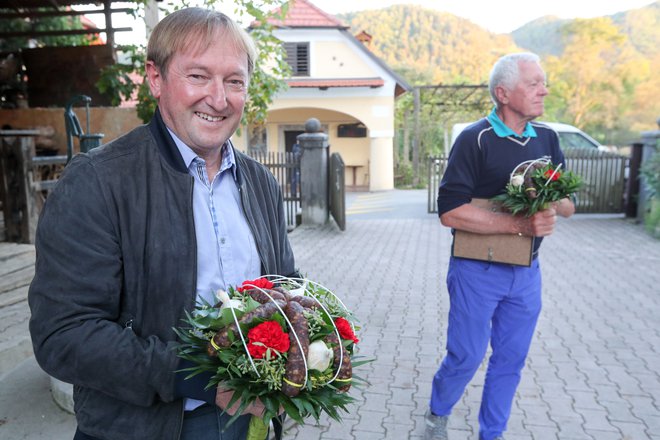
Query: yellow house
(339,81)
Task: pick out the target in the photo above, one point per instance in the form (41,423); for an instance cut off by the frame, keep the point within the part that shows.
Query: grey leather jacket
(115,270)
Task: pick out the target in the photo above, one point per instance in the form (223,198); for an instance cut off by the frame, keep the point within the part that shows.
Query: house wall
(371,155)
(335,59)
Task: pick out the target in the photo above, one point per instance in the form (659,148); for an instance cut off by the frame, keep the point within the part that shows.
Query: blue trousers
(494,303)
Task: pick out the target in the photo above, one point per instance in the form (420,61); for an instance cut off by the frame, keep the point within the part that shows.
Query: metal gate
(286,169)
(337,190)
(604,175)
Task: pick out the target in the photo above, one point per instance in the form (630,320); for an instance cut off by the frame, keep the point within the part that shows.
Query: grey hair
(506,72)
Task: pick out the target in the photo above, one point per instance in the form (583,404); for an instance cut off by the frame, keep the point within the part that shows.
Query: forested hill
(428,46)
(641,26)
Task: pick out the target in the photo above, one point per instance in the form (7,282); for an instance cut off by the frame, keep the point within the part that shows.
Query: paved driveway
(593,367)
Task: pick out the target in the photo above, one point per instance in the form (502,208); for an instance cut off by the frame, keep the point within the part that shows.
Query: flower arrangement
(534,184)
(292,346)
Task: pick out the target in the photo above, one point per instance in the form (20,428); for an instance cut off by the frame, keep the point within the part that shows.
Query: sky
(499,16)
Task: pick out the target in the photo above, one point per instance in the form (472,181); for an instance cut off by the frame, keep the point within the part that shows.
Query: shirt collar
(503,131)
(188,155)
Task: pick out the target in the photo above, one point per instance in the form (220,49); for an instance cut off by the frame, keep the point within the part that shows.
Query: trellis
(449,102)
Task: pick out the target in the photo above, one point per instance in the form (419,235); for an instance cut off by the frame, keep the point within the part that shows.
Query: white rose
(517,180)
(319,356)
(228,302)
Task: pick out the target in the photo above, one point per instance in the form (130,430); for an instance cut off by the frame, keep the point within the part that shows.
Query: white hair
(506,72)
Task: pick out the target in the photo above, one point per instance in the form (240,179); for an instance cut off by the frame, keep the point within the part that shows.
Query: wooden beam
(31,34)
(70,13)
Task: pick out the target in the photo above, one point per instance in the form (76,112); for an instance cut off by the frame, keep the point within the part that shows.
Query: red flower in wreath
(552,173)
(345,330)
(267,335)
(261,283)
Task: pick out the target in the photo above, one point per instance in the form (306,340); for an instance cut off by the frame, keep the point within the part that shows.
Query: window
(575,140)
(297,56)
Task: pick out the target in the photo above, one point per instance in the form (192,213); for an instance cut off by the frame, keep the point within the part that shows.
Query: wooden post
(632,189)
(21,204)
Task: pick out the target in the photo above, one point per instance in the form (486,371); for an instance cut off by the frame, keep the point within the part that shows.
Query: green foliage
(651,173)
(652,219)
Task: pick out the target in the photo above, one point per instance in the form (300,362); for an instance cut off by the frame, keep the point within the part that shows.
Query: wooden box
(496,248)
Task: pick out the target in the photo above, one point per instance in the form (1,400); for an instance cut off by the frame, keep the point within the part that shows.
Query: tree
(592,81)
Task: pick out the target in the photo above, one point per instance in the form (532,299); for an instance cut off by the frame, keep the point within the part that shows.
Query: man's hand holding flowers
(537,192)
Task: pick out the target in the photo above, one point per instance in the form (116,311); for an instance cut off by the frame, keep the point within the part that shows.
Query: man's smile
(210,118)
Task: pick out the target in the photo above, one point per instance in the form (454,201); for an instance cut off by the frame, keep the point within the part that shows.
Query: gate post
(314,174)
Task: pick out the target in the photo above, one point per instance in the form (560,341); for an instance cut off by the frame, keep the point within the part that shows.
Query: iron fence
(286,169)
(604,174)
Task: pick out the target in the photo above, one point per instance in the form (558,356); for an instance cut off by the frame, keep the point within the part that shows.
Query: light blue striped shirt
(226,251)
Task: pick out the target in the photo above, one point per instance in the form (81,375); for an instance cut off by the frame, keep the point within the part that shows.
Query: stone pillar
(314,174)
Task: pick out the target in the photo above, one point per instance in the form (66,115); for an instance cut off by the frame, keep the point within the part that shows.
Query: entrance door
(290,138)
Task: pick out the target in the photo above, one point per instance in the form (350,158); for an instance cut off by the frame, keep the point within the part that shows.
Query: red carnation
(555,174)
(268,334)
(345,330)
(261,283)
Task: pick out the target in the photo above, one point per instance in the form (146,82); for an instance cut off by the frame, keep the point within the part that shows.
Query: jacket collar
(166,144)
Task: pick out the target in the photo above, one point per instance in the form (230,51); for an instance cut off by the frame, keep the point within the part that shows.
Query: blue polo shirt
(502,130)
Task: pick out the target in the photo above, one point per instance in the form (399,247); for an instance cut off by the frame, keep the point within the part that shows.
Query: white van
(569,137)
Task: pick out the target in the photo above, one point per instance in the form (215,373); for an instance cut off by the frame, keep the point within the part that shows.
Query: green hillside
(602,72)
(642,27)
(428,46)
(541,36)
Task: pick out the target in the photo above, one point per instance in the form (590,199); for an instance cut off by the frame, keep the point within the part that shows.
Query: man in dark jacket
(138,230)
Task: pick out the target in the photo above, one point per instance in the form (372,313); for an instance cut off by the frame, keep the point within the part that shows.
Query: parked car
(569,136)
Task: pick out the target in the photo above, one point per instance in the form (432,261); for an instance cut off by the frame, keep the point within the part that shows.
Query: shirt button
(222,240)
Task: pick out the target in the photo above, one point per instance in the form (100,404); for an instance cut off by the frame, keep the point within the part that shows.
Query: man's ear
(154,78)
(502,94)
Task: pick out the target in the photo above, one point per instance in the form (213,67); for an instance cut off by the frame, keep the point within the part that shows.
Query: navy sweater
(480,163)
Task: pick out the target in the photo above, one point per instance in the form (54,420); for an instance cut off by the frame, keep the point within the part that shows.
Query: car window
(575,140)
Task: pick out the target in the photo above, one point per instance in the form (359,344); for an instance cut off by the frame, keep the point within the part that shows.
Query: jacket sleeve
(75,298)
